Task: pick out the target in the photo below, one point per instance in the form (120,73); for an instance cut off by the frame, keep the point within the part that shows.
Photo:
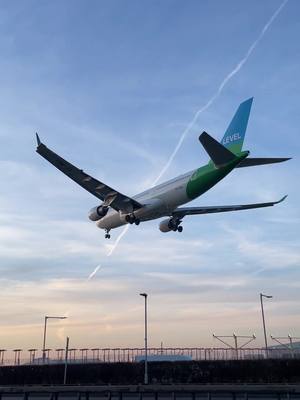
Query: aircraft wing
(183,211)
(111,197)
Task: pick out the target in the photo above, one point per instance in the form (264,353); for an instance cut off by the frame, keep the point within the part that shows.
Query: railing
(153,392)
(113,355)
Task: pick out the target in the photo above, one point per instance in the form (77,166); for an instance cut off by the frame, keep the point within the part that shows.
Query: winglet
(38,139)
(282,199)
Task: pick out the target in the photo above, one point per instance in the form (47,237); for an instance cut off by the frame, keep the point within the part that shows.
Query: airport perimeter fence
(129,355)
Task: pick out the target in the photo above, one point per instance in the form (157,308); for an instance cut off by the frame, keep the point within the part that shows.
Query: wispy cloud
(268,254)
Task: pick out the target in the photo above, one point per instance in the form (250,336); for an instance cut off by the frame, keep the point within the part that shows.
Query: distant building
(287,350)
(295,346)
(164,357)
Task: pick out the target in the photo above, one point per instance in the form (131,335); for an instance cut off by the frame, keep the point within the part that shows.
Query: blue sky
(111,86)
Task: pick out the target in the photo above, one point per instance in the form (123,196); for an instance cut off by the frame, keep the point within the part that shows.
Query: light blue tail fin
(234,136)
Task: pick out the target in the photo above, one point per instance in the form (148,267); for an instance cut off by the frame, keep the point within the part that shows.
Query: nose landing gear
(107,235)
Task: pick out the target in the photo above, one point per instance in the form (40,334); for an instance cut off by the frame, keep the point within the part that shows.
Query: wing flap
(111,197)
(183,211)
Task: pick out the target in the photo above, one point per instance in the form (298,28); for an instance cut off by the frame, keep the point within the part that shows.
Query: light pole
(66,360)
(263,317)
(146,340)
(45,331)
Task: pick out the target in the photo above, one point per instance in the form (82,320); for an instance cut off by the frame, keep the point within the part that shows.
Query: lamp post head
(143,294)
(266,296)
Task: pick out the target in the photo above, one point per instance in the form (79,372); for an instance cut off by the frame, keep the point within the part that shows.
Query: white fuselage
(159,201)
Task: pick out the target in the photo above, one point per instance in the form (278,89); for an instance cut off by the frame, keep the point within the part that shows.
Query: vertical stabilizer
(235,133)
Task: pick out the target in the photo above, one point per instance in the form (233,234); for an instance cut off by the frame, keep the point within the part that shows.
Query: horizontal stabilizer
(219,154)
(252,162)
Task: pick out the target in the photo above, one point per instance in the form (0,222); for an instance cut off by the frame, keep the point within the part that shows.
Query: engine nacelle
(97,213)
(165,225)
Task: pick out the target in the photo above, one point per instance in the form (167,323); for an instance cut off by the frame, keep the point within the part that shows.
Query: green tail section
(234,136)
(223,159)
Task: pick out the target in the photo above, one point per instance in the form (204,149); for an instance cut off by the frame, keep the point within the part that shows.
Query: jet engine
(170,224)
(97,213)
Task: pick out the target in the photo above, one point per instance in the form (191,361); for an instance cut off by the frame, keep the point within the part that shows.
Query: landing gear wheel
(174,225)
(107,235)
(131,219)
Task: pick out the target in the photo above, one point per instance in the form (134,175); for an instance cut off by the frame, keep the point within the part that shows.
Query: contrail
(113,247)
(110,251)
(229,76)
(219,91)
(94,272)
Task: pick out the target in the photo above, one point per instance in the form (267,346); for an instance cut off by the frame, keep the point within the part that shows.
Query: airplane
(164,200)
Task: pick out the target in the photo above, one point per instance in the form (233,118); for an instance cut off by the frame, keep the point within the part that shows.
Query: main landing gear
(107,235)
(174,225)
(132,219)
